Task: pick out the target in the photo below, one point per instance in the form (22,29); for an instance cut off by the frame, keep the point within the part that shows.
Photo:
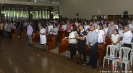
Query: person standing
(5,29)
(92,43)
(29,33)
(130,25)
(9,30)
(111,28)
(43,40)
(127,38)
(0,29)
(50,28)
(81,37)
(72,42)
(55,33)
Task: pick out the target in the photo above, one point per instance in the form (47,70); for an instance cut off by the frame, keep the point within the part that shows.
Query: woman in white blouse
(43,40)
(115,38)
(101,34)
(72,42)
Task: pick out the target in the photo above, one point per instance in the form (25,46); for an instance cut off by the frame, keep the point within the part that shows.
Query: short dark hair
(116,31)
(100,25)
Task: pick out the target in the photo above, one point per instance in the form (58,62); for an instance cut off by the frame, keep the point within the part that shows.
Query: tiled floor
(17,57)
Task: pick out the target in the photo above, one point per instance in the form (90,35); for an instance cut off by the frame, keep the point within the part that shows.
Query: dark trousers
(129,46)
(81,50)
(5,33)
(1,32)
(72,50)
(10,35)
(93,54)
(19,32)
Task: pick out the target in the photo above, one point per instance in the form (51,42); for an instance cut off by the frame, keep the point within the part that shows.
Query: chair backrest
(125,51)
(132,46)
(112,50)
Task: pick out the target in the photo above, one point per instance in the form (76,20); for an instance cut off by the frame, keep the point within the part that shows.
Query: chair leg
(103,62)
(125,68)
(128,66)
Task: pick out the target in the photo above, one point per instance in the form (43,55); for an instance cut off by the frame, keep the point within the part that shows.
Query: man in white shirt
(127,38)
(5,29)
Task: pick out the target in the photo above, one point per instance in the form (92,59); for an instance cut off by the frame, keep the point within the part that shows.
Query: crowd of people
(85,32)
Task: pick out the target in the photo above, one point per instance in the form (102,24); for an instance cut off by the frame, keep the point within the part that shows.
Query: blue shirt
(92,38)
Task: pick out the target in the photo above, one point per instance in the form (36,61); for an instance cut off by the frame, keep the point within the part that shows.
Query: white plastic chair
(125,60)
(131,56)
(112,53)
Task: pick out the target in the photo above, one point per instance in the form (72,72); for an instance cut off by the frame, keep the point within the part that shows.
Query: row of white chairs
(123,52)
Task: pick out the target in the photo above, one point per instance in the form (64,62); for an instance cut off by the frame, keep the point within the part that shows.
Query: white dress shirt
(127,37)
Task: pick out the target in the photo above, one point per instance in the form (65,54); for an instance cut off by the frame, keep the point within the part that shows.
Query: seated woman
(72,42)
(101,34)
(115,38)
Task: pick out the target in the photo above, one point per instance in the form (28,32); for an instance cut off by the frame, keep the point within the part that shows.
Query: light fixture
(34,0)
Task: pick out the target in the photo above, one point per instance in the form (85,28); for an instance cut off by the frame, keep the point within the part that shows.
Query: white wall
(87,8)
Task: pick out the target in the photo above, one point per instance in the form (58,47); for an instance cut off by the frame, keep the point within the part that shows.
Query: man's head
(92,28)
(112,23)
